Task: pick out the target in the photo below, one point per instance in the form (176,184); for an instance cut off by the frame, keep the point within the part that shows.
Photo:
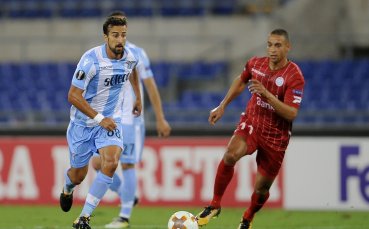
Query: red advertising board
(174,171)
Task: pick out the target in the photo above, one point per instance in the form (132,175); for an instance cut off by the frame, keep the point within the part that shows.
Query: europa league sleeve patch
(80,75)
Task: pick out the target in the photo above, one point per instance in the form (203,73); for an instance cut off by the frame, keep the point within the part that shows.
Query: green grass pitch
(51,217)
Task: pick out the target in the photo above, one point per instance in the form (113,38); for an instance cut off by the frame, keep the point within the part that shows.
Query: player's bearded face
(117,39)
(278,48)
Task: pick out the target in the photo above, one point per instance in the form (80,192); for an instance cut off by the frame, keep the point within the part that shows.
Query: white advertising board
(327,173)
(318,173)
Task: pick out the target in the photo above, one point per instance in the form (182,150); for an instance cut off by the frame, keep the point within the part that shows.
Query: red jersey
(287,85)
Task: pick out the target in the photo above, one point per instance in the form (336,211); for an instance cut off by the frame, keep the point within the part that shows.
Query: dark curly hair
(113,21)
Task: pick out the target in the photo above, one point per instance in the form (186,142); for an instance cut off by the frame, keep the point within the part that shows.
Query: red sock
(222,179)
(257,202)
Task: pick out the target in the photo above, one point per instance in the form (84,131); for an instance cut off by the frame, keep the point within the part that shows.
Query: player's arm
(134,80)
(238,85)
(76,98)
(162,125)
(282,109)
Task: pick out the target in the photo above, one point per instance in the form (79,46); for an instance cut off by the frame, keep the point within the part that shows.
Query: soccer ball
(182,220)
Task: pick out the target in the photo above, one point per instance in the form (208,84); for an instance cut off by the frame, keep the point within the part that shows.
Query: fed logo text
(354,166)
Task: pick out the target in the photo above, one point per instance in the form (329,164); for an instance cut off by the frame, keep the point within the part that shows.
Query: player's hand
(108,124)
(163,128)
(137,108)
(257,87)
(215,114)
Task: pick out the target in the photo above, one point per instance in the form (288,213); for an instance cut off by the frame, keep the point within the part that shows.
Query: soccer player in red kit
(276,84)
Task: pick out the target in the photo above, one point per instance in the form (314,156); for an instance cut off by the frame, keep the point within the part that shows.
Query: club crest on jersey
(279,81)
(130,64)
(80,75)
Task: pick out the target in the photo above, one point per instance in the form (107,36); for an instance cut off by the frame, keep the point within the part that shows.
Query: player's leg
(96,161)
(73,177)
(78,137)
(258,199)
(131,155)
(110,157)
(127,191)
(109,145)
(269,163)
(127,197)
(236,149)
(96,164)
(129,188)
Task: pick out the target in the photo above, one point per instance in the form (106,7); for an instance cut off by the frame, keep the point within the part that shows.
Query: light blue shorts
(134,137)
(84,141)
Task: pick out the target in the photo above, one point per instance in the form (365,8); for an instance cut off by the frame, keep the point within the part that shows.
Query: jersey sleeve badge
(80,75)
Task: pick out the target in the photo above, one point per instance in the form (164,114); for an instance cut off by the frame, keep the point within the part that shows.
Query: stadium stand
(336,92)
(137,8)
(333,95)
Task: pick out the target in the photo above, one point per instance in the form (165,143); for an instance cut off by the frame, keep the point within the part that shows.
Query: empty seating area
(336,93)
(137,8)
(36,93)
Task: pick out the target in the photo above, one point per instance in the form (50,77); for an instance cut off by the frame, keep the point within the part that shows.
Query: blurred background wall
(196,49)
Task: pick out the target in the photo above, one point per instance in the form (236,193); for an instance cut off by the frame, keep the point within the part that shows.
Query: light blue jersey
(134,127)
(102,80)
(144,71)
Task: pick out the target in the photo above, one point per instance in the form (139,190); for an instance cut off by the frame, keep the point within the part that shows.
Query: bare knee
(236,149)
(109,166)
(109,159)
(230,158)
(263,184)
(232,155)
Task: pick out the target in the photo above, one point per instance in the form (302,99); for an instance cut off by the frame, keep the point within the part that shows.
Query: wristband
(99,117)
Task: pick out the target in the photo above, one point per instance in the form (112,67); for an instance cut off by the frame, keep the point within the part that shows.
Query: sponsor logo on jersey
(116,79)
(106,67)
(257,72)
(80,75)
(263,104)
(279,81)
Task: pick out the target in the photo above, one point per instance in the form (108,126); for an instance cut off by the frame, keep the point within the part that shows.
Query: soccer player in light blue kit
(96,96)
(134,135)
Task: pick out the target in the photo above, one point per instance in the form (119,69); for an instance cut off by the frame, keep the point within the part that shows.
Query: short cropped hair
(113,21)
(281,32)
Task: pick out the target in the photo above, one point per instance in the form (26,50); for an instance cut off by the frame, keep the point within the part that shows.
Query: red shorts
(268,159)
